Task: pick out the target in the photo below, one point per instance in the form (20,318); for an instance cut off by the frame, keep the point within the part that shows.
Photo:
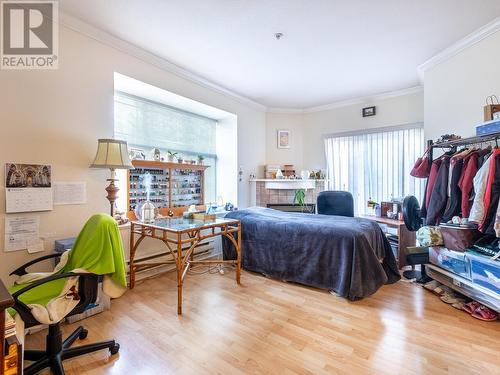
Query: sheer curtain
(375,165)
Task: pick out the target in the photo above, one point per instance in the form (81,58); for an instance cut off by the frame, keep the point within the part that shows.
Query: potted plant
(171,156)
(300,198)
(200,159)
(179,159)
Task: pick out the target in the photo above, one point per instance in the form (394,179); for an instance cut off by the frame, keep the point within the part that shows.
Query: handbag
(422,166)
(491,108)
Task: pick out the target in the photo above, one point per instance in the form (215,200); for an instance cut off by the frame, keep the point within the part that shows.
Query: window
(145,124)
(375,165)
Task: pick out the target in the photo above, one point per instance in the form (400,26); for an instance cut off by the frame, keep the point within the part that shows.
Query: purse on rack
(422,166)
(491,108)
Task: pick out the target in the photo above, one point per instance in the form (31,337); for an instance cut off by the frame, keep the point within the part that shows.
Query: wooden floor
(271,327)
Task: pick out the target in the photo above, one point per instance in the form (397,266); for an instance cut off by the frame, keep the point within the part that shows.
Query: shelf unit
(405,238)
(174,185)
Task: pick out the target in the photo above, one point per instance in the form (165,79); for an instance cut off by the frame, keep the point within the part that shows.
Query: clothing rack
(462,142)
(466,286)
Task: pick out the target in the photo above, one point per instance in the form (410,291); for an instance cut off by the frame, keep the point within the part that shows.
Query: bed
(350,256)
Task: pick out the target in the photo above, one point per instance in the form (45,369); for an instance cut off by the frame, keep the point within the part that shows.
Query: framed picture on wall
(283,138)
(369,111)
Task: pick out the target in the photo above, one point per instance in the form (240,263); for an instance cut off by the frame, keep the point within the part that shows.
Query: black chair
(56,349)
(340,203)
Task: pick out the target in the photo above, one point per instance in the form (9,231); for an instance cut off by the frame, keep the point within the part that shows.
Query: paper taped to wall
(28,199)
(21,231)
(34,245)
(70,193)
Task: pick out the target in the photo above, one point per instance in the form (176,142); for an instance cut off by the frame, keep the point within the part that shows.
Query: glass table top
(180,224)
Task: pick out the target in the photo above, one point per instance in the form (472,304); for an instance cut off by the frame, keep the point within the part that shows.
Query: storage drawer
(453,261)
(484,271)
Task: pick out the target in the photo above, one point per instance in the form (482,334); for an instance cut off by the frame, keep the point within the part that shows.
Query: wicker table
(176,232)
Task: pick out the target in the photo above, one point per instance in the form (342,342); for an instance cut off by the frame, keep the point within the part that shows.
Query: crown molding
(289,111)
(121,45)
(364,99)
(464,43)
(348,102)
(133,50)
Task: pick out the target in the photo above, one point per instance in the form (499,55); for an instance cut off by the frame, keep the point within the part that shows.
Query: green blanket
(98,249)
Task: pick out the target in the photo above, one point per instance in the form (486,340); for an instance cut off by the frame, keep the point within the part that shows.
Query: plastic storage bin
(484,271)
(453,261)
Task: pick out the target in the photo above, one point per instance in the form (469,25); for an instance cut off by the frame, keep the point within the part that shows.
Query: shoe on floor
(451,298)
(431,285)
(484,313)
(442,289)
(471,307)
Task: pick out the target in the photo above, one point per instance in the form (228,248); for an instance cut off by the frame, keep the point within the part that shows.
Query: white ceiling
(332,50)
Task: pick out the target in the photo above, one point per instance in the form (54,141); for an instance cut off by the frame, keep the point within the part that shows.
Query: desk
(176,232)
(406,238)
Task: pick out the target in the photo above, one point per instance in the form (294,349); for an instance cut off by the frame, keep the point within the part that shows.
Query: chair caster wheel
(83,335)
(113,350)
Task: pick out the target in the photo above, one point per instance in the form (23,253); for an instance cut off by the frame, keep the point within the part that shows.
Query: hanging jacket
(439,195)
(431,181)
(492,194)
(477,211)
(455,194)
(497,222)
(469,170)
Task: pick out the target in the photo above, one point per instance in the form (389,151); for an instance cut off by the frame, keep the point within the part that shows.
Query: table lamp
(112,154)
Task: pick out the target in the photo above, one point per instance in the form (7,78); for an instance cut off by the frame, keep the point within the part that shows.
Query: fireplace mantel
(265,191)
(287,184)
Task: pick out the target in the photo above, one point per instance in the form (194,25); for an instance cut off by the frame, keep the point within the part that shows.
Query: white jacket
(497,222)
(477,211)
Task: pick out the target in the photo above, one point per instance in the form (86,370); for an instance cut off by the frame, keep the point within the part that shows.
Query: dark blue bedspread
(350,256)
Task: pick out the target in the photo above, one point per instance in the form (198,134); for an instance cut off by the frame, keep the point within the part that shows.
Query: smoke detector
(278,36)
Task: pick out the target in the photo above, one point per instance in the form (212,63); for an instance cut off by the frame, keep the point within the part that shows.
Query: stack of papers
(10,325)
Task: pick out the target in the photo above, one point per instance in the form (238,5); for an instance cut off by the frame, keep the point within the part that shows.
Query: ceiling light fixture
(278,36)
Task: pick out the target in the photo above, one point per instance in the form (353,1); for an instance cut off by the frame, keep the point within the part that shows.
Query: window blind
(145,124)
(375,165)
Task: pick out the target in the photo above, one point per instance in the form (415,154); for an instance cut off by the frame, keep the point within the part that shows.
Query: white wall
(292,155)
(455,90)
(55,117)
(398,110)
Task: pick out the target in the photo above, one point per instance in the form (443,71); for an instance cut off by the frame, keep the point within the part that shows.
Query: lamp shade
(112,154)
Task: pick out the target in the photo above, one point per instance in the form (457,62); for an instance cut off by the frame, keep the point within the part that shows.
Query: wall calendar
(28,188)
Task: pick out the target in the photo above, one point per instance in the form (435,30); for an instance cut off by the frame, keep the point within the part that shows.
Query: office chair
(340,203)
(98,250)
(56,349)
